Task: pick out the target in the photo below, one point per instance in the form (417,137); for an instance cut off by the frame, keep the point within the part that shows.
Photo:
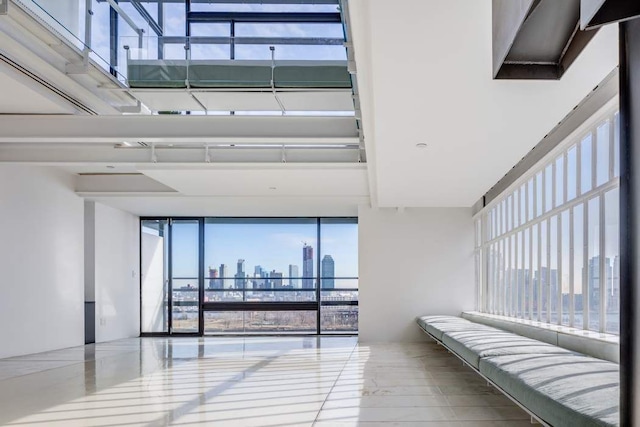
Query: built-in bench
(558,386)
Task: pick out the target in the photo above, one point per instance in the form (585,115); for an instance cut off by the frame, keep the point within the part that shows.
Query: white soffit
(329,100)
(167,100)
(431,83)
(19,98)
(234,206)
(308,180)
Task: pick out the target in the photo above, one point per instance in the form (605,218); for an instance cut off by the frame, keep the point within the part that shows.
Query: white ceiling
(424,70)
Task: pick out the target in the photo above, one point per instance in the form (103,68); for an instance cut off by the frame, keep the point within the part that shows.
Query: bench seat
(475,345)
(559,386)
(562,389)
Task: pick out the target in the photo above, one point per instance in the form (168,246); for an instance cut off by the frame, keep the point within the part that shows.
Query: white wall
(41,261)
(117,266)
(412,262)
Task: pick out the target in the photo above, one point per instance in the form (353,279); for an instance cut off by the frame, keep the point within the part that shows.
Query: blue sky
(272,246)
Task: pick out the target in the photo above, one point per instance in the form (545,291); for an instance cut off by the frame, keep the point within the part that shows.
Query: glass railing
(232,62)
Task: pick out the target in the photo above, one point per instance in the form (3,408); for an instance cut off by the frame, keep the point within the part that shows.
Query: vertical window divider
(318,277)
(612,131)
(516,277)
(200,276)
(170,271)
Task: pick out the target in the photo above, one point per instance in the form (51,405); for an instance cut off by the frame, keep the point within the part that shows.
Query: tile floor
(253,381)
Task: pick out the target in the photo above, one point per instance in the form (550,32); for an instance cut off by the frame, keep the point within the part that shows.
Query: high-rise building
(276,279)
(240,275)
(307,267)
(294,274)
(224,276)
(214,281)
(328,272)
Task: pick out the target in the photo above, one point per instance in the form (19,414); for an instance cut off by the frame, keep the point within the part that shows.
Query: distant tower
(214,282)
(276,279)
(328,272)
(224,275)
(294,273)
(307,267)
(240,275)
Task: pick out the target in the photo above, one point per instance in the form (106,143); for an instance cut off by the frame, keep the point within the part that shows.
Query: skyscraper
(294,273)
(214,282)
(224,274)
(328,272)
(276,279)
(307,267)
(240,275)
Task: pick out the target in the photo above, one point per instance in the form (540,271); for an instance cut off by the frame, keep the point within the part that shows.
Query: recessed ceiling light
(111,167)
(272,188)
(421,145)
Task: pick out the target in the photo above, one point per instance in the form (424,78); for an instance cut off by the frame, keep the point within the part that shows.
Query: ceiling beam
(178,129)
(595,13)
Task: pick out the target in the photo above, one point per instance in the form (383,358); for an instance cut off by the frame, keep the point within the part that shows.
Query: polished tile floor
(253,381)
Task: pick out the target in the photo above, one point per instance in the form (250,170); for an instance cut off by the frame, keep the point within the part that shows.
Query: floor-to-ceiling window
(249,275)
(548,247)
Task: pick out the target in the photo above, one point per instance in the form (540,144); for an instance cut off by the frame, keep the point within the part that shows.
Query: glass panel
(516,209)
(553,268)
(523,213)
(539,194)
(602,154)
(585,164)
(184,272)
(339,252)
(578,264)
(535,273)
(154,242)
(184,305)
(339,318)
(261,254)
(572,172)
(513,278)
(559,181)
(520,274)
(548,188)
(281,322)
(616,144)
(566,266)
(612,260)
(543,274)
(593,271)
(509,212)
(530,199)
(174,19)
(527,273)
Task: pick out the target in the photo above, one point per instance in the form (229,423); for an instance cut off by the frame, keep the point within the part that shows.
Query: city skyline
(220,278)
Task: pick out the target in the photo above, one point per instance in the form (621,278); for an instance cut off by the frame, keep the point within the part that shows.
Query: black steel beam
(264,17)
(270,2)
(260,306)
(147,17)
(629,223)
(595,13)
(255,40)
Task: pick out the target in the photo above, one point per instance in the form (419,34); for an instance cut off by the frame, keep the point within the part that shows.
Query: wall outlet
(103,321)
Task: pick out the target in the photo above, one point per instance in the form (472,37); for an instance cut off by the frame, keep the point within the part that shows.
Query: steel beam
(630,223)
(265,17)
(595,13)
(179,129)
(254,40)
